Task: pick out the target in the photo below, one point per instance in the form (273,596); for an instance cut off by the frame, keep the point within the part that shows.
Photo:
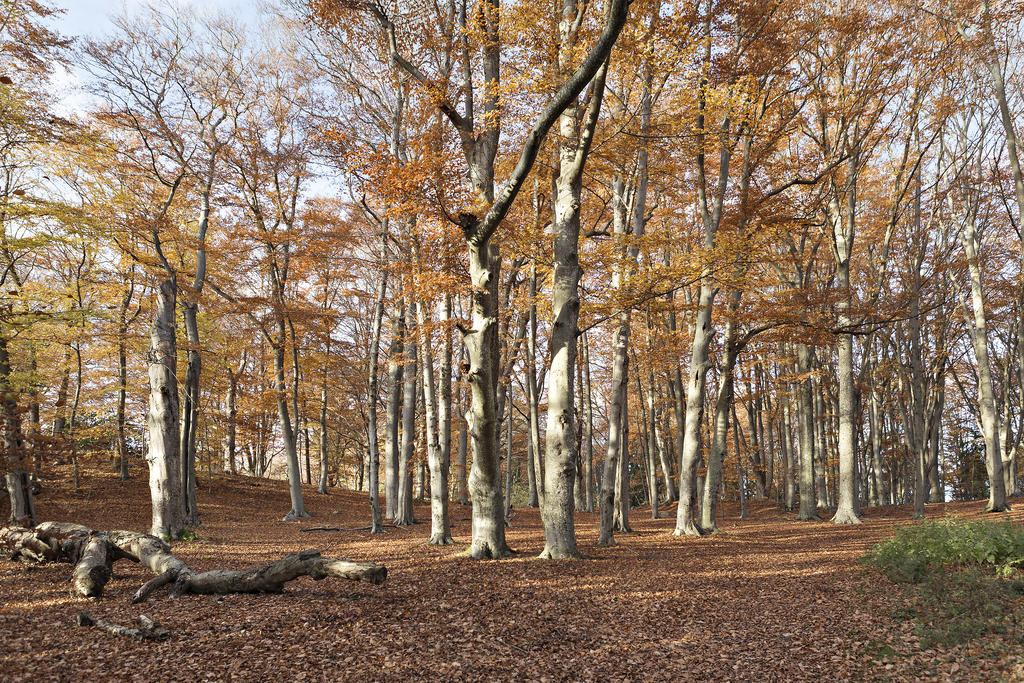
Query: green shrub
(920,549)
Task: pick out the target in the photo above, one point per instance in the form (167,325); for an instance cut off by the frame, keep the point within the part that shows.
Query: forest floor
(766,599)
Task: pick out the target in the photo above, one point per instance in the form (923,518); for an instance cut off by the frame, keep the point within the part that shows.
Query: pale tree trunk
(805,413)
(702,336)
(622,478)
(298,508)
(19,487)
(620,380)
(190,412)
(404,511)
(560,453)
(588,442)
(444,414)
(392,447)
(193,369)
(322,438)
(440,532)
(232,416)
(786,445)
(986,394)
(480,149)
(60,421)
(376,522)
(651,439)
(819,424)
(164,446)
(703,332)
(843,227)
(463,493)
(663,454)
(720,428)
(741,484)
(534,467)
(508,467)
(481,342)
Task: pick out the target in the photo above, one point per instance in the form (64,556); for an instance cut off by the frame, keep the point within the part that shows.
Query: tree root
(94,552)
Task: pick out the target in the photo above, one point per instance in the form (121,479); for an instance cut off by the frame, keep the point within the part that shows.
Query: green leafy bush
(917,550)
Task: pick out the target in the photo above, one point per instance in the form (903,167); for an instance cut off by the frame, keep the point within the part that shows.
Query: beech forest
(581,339)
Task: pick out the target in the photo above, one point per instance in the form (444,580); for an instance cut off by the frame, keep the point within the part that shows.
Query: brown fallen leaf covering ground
(769,599)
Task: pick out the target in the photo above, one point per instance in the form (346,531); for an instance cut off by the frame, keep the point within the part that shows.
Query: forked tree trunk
(986,394)
(702,337)
(720,429)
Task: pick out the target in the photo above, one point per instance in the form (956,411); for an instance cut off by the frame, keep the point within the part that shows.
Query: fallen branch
(149,629)
(338,528)
(94,552)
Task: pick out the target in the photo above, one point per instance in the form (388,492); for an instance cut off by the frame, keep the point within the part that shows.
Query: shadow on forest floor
(769,598)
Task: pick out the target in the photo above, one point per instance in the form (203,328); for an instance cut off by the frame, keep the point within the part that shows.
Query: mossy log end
(93,553)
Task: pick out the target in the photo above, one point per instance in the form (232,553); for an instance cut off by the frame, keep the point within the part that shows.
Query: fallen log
(94,552)
(149,629)
(339,528)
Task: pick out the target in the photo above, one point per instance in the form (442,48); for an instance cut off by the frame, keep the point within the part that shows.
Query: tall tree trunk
(463,493)
(392,447)
(534,466)
(164,446)
(122,397)
(322,443)
(986,393)
(720,429)
(786,445)
(404,512)
(588,423)
(481,342)
(620,383)
(232,416)
(376,521)
(190,412)
(805,414)
(16,467)
(703,333)
(440,531)
(298,508)
(843,226)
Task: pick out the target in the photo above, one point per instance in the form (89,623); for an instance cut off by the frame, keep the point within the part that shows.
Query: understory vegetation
(958,582)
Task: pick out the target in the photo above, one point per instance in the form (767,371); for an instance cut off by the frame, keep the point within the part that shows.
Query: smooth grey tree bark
(404,509)
(805,416)
(164,454)
(480,148)
(372,390)
(560,453)
(392,447)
